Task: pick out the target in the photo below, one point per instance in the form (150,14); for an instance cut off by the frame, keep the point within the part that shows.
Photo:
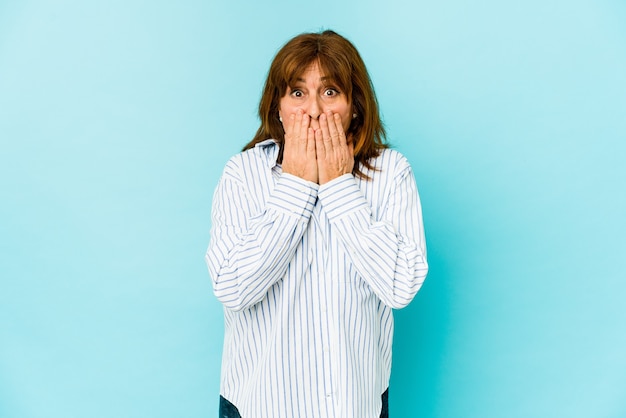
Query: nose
(315,107)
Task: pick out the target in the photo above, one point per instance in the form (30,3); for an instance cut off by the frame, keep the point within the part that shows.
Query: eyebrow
(325,78)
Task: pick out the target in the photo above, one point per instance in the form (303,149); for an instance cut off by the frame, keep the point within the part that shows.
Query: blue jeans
(228,410)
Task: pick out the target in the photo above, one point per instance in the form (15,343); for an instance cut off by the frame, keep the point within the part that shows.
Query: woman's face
(315,94)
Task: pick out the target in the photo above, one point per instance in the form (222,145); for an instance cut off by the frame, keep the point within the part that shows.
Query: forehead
(312,72)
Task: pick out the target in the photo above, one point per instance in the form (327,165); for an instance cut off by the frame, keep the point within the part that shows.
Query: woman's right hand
(299,156)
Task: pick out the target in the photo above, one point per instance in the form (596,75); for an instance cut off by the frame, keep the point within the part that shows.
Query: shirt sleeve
(248,251)
(388,253)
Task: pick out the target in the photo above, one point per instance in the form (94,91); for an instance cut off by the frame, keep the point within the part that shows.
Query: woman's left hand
(335,154)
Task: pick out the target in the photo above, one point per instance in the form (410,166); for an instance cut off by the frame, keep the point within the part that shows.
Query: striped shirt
(308,276)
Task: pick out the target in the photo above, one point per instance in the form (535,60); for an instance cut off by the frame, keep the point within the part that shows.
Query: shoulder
(257,159)
(390,163)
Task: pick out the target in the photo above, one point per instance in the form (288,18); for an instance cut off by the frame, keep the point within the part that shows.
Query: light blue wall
(116,119)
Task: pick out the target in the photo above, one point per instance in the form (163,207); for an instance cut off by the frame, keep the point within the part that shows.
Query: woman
(317,234)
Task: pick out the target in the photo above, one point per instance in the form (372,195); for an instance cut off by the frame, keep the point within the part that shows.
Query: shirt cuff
(293,195)
(341,196)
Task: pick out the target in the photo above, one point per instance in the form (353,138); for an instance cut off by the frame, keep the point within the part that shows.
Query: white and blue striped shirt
(308,276)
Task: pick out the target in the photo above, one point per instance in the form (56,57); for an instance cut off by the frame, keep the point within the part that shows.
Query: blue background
(116,119)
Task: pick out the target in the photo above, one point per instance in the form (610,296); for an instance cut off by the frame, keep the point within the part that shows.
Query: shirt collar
(270,149)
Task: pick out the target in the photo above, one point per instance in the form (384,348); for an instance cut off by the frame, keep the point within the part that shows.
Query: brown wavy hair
(341,62)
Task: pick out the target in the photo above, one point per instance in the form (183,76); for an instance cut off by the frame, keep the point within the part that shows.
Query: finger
(332,127)
(310,144)
(320,147)
(293,128)
(340,136)
(297,124)
(326,133)
(288,124)
(304,132)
